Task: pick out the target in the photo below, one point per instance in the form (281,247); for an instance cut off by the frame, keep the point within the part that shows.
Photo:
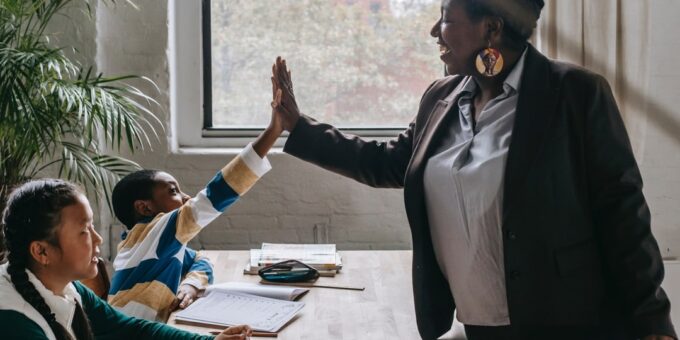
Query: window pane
(355,63)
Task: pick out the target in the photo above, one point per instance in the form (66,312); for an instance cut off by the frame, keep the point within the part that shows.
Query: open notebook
(226,304)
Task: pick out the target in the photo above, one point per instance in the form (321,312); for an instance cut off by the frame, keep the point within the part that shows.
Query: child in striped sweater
(154,270)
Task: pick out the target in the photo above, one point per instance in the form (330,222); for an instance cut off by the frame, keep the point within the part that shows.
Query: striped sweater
(153,257)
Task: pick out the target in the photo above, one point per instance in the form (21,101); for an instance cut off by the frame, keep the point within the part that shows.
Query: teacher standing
(522,193)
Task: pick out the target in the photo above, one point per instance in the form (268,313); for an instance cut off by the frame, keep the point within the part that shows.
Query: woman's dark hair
(519,16)
(33,213)
(135,186)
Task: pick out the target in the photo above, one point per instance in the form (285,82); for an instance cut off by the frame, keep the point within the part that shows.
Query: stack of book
(323,257)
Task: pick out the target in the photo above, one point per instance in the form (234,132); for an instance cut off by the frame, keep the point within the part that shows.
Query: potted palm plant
(58,117)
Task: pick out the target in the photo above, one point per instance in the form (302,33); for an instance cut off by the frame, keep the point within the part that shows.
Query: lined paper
(231,308)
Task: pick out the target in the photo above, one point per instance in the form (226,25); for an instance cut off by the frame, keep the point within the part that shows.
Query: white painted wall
(671,285)
(295,197)
(660,157)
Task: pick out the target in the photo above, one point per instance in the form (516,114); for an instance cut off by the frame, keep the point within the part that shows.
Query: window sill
(220,151)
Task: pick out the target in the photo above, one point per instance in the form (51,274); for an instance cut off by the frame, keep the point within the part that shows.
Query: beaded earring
(489,61)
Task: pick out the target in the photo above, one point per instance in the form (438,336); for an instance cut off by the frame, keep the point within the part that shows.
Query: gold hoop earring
(489,61)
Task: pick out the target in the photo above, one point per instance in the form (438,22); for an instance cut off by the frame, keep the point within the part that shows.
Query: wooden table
(384,310)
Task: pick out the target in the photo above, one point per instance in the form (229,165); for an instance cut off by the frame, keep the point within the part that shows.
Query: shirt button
(513,275)
(512,235)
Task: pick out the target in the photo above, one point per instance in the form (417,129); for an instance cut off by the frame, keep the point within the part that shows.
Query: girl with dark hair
(51,244)
(522,193)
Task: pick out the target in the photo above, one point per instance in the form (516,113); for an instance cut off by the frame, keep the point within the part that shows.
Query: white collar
(63,307)
(514,79)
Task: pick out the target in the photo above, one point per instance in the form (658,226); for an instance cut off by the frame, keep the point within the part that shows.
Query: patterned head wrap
(520,15)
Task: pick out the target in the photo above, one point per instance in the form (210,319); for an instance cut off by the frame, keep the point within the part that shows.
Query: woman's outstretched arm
(377,164)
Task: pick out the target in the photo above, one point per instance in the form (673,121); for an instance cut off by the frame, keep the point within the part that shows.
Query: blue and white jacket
(153,258)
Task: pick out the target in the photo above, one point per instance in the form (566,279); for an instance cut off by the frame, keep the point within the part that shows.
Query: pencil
(255,334)
(309,285)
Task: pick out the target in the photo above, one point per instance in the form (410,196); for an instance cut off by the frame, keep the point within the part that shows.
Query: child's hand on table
(186,295)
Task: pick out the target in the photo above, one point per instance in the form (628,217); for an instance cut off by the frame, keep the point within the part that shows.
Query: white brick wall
(297,207)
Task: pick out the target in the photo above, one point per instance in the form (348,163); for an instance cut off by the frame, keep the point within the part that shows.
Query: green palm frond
(83,164)
(57,115)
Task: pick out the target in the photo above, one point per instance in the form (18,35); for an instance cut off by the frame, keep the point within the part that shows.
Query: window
(355,64)
(360,64)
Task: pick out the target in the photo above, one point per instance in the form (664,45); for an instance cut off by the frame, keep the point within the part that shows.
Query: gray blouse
(464,199)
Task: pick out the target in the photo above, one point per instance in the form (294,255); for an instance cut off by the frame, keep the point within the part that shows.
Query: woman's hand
(286,110)
(241,332)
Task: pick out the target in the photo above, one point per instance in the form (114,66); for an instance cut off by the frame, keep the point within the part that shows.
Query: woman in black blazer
(567,245)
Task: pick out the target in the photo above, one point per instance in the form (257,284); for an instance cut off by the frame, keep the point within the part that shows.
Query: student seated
(52,243)
(154,269)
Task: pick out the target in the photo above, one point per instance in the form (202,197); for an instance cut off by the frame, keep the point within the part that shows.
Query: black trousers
(546,332)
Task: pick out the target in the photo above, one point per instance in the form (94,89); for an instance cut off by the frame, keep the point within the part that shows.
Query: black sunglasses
(288,271)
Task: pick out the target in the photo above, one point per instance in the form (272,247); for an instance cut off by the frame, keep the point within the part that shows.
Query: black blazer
(578,248)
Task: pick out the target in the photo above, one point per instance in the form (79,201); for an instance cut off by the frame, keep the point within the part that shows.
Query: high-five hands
(286,111)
